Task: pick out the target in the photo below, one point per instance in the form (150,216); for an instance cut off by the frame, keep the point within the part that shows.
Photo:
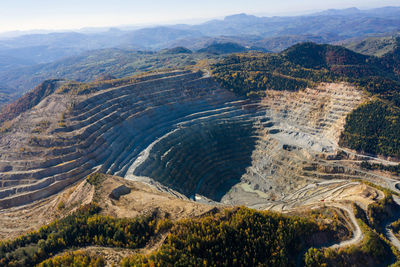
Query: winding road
(357,237)
(388,231)
(358,234)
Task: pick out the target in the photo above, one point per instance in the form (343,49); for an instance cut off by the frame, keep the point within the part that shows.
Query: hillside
(373,46)
(28,100)
(6,96)
(305,65)
(223,48)
(92,65)
(194,166)
(177,50)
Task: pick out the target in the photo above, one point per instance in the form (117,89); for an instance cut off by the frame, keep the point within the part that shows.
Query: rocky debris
(288,147)
(119,191)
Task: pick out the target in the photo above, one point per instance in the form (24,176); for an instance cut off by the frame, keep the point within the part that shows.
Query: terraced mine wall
(206,156)
(107,131)
(184,134)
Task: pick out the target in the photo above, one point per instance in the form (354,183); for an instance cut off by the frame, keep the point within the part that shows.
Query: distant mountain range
(25,60)
(271,33)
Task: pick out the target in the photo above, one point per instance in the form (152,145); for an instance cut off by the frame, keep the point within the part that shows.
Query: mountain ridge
(358,23)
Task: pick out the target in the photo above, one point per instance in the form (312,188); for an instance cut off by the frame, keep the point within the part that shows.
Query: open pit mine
(183,134)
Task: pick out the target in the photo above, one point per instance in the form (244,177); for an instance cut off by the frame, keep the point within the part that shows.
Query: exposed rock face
(182,131)
(103,131)
(295,132)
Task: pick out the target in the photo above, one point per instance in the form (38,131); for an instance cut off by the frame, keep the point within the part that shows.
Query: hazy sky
(73,14)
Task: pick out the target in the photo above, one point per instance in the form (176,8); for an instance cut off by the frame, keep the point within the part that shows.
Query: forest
(238,237)
(75,259)
(374,128)
(395,169)
(231,237)
(82,228)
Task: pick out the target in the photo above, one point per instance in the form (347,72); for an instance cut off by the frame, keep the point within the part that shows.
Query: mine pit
(185,135)
(207,158)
